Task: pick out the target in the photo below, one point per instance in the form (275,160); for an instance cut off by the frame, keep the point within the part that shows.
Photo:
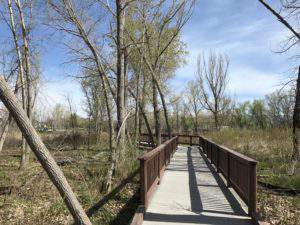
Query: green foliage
(258,114)
(240,116)
(250,115)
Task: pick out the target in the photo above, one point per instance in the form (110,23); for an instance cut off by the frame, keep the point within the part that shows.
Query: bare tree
(75,25)
(292,8)
(20,79)
(212,81)
(120,17)
(194,103)
(27,69)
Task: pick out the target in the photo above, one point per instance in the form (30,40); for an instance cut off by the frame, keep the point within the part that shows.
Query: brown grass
(36,200)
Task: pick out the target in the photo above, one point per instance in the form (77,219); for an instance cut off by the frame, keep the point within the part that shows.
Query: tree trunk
(145,118)
(42,153)
(296,127)
(196,123)
(25,157)
(120,16)
(156,113)
(5,131)
(216,119)
(136,116)
(165,109)
(142,105)
(20,79)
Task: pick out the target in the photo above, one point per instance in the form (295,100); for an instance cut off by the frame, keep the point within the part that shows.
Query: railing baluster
(228,169)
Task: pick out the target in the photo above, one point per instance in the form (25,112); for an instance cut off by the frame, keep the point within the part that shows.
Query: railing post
(191,140)
(143,182)
(228,170)
(218,158)
(252,205)
(210,152)
(158,168)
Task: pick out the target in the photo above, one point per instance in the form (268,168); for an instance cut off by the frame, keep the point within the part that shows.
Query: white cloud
(248,83)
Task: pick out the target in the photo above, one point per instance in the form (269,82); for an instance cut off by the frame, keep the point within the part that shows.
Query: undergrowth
(35,201)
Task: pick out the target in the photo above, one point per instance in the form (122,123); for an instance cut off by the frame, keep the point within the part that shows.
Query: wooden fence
(152,166)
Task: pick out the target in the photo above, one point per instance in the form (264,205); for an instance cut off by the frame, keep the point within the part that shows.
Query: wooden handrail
(152,166)
(234,153)
(238,169)
(156,150)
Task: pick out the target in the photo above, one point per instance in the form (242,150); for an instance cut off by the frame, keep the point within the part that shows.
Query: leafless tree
(121,72)
(212,81)
(28,76)
(194,103)
(69,19)
(20,79)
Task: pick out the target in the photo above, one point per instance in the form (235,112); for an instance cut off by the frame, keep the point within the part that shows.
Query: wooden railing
(152,166)
(182,139)
(239,171)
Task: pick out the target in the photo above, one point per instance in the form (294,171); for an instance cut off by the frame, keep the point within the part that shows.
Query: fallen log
(6,190)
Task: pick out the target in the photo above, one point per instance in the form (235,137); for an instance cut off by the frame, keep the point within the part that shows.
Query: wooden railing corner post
(252,206)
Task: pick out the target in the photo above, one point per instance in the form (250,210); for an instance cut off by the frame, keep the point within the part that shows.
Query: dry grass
(36,200)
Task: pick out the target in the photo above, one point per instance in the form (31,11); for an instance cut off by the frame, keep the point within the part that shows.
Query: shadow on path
(235,204)
(197,219)
(196,204)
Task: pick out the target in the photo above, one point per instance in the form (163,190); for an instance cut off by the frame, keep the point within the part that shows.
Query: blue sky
(242,29)
(249,35)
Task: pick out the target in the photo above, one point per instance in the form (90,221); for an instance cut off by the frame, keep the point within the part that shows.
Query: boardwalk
(192,193)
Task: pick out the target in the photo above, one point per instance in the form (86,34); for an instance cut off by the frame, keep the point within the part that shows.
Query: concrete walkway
(192,193)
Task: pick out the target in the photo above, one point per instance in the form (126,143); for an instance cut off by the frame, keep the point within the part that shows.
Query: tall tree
(212,81)
(120,17)
(20,79)
(74,24)
(162,22)
(194,103)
